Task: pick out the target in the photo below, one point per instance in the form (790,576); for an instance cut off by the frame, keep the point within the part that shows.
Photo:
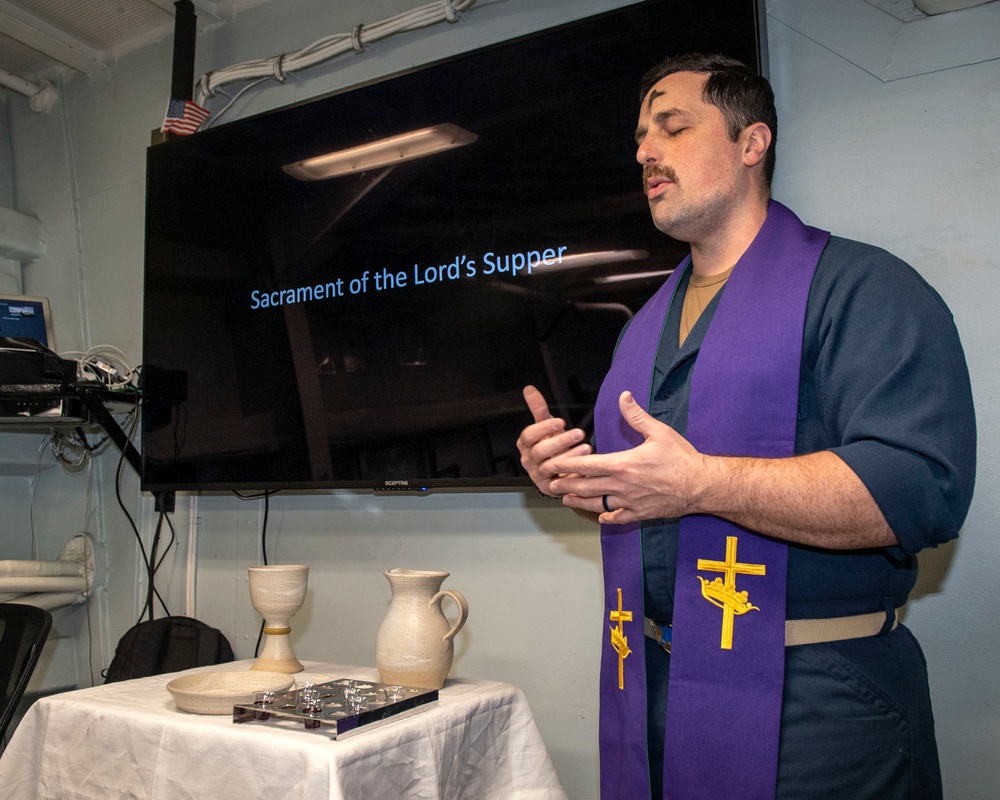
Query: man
(808,401)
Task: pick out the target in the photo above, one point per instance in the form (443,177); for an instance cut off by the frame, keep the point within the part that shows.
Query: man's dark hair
(743,96)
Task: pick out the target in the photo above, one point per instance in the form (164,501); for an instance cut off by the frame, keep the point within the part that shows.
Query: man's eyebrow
(660,118)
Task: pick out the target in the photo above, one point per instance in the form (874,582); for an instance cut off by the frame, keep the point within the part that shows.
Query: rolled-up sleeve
(894,392)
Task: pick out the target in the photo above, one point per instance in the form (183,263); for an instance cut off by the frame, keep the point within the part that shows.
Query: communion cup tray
(339,708)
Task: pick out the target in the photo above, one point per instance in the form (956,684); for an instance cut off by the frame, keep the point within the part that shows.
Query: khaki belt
(804,631)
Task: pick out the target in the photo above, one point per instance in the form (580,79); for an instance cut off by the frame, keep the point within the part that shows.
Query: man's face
(693,173)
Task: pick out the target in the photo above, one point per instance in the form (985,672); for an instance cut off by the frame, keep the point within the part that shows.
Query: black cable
(266,496)
(121,502)
(258,496)
(154,565)
(86,445)
(263,552)
(170,544)
(151,568)
(263,528)
(149,563)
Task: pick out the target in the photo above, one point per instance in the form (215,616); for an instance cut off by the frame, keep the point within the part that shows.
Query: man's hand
(659,478)
(546,439)
(813,499)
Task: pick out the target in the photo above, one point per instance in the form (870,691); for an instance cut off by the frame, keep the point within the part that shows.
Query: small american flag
(183,117)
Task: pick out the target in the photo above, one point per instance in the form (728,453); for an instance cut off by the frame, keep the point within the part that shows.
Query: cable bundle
(104,364)
(328,47)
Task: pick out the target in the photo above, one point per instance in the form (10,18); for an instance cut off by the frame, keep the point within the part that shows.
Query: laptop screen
(26,317)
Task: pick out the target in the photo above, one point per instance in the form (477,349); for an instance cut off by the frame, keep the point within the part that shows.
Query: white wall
(913,164)
(909,163)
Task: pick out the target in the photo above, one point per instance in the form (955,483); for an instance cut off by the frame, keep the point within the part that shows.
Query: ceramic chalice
(277,592)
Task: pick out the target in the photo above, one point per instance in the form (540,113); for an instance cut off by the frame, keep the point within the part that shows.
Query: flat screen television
(317,318)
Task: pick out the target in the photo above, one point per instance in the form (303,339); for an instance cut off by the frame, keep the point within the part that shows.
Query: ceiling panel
(86,35)
(100,24)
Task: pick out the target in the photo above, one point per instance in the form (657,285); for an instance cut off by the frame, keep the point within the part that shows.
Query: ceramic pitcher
(414,644)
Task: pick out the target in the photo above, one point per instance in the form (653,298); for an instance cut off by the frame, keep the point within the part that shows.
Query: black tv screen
(347,322)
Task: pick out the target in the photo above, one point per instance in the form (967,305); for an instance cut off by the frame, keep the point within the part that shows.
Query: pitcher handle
(463,610)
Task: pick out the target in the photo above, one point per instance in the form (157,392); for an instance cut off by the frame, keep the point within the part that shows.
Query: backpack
(169,644)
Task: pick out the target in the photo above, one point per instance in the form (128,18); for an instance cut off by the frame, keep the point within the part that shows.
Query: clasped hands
(662,477)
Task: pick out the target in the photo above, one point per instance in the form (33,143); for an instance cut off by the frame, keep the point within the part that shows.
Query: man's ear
(757,138)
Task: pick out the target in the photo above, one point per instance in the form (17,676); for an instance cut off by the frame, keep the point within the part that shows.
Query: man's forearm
(815,500)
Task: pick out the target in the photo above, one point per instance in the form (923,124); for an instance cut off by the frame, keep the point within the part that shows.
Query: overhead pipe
(41,96)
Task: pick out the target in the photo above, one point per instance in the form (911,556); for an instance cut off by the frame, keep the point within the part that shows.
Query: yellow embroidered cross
(722,593)
(619,641)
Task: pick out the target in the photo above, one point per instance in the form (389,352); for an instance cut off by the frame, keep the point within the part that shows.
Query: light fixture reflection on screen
(582,261)
(596,258)
(633,276)
(382,153)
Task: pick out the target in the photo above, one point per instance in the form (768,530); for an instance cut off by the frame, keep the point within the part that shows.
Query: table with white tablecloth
(129,739)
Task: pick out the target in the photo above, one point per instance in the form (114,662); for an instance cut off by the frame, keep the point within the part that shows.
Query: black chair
(23,631)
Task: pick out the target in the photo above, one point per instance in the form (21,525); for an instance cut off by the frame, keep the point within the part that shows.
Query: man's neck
(720,251)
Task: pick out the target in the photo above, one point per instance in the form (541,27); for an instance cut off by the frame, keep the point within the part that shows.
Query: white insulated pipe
(27,585)
(27,569)
(51,600)
(192,557)
(42,95)
(19,84)
(50,584)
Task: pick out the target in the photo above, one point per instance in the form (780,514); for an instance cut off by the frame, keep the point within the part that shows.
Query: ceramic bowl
(218,692)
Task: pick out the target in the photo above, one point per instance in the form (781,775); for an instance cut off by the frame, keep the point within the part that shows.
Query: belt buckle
(661,634)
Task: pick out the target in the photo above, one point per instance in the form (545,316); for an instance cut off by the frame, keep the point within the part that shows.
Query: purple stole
(727,651)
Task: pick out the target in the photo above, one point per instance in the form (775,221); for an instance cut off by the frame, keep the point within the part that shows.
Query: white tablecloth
(129,740)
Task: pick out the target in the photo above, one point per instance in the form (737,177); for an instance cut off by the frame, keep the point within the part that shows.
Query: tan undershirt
(700,292)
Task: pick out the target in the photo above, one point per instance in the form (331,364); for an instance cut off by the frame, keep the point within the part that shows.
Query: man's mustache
(657,171)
